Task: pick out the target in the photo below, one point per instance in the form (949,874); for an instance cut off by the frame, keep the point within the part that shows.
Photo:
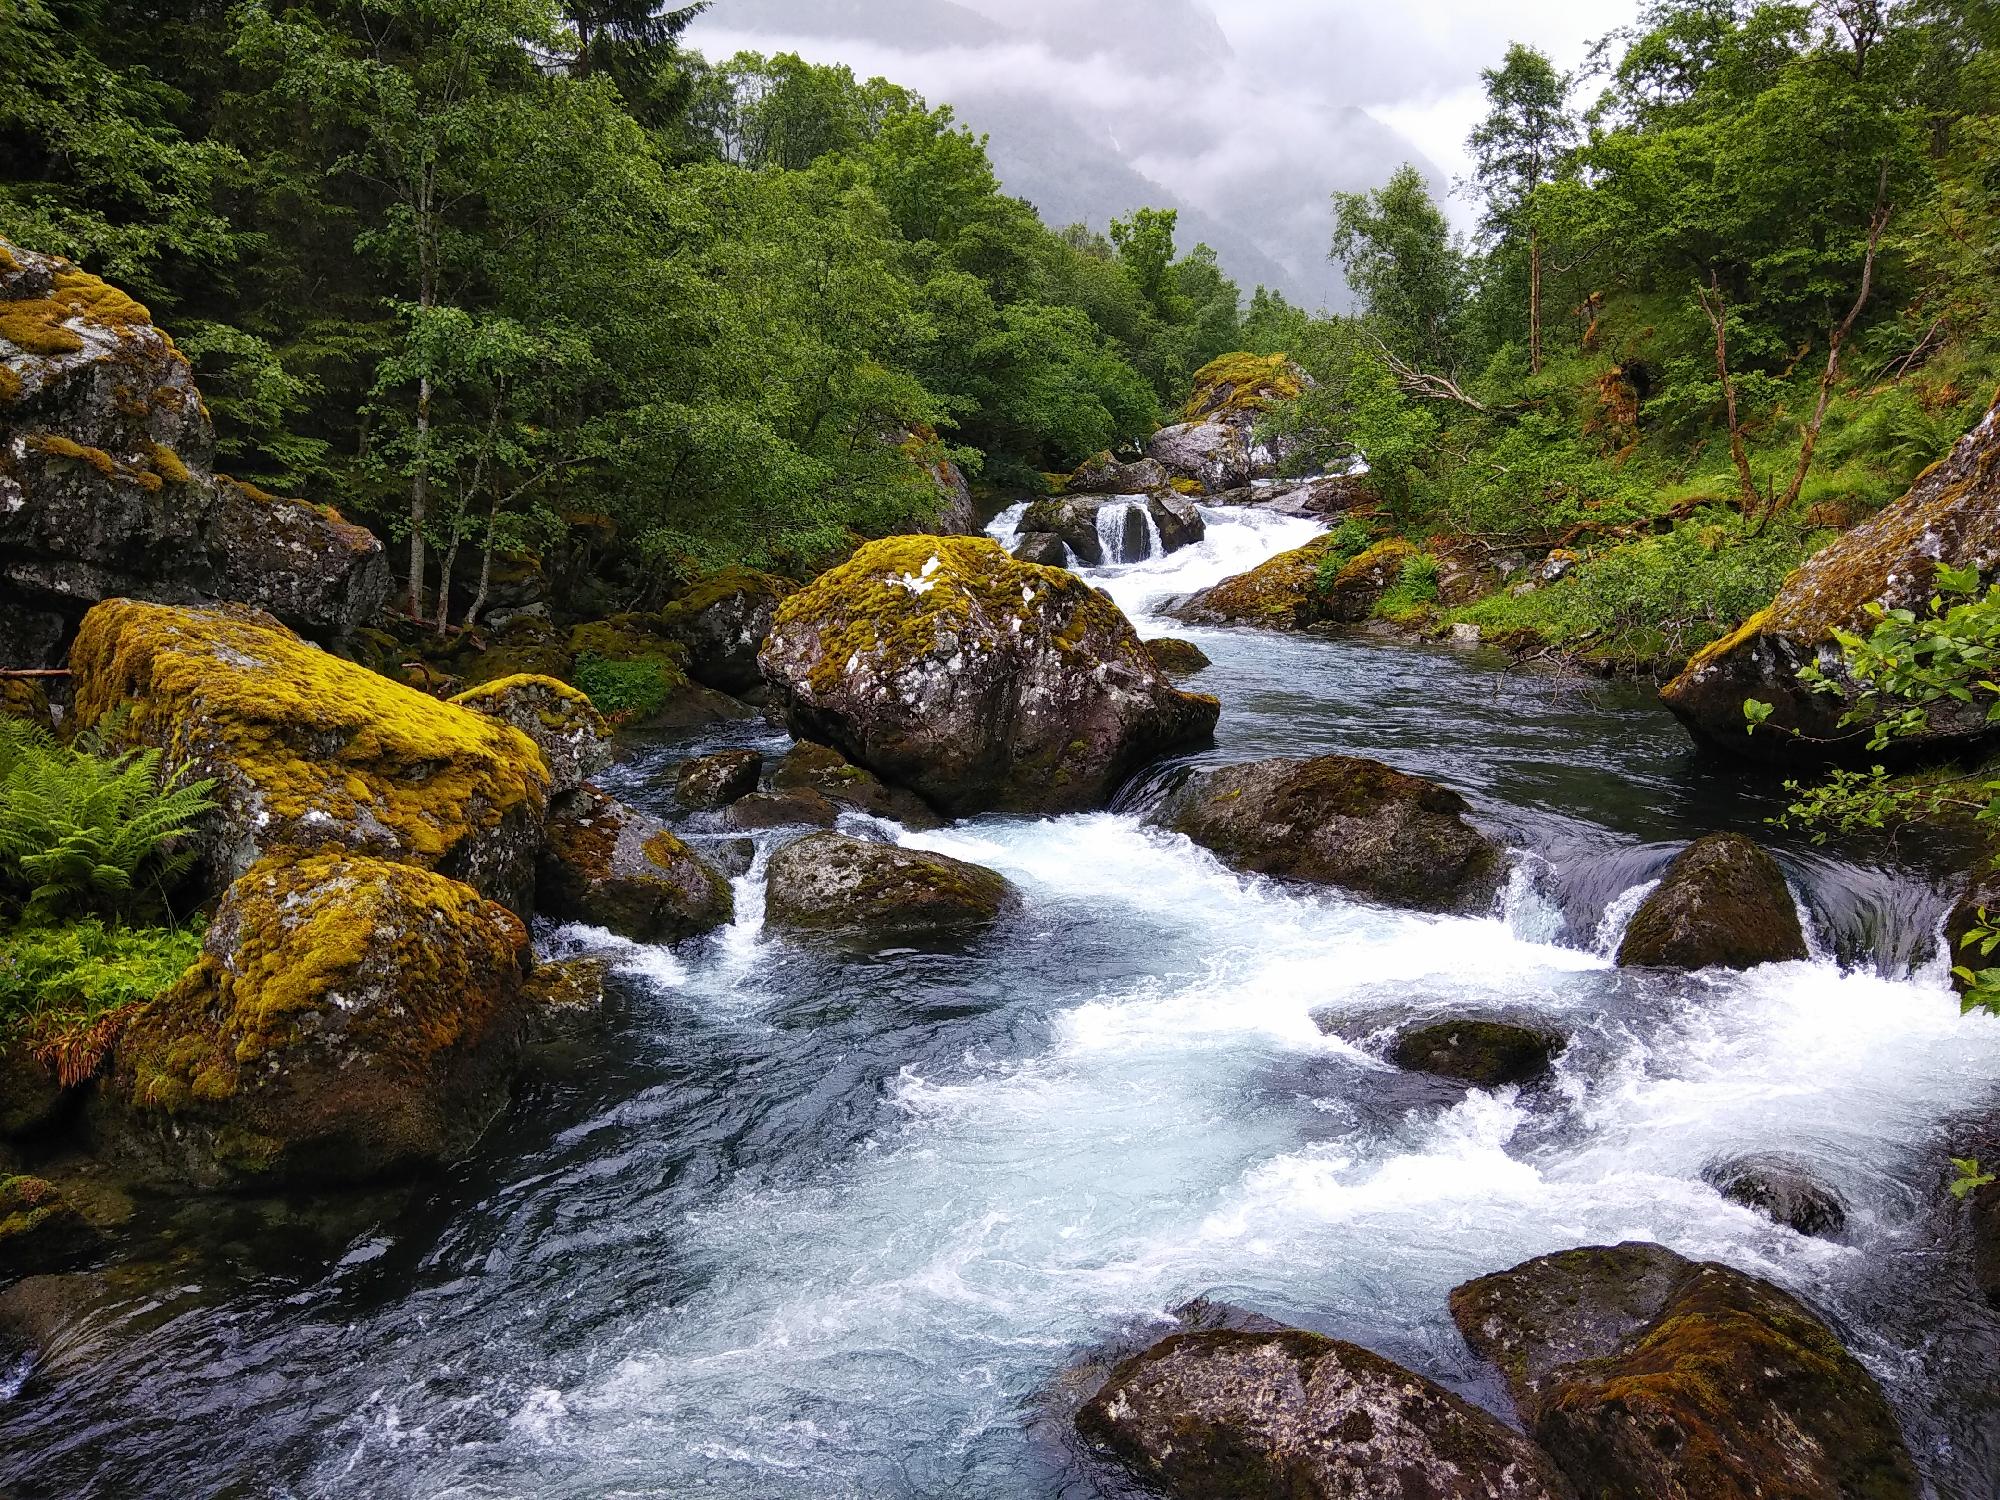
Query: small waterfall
(1127,533)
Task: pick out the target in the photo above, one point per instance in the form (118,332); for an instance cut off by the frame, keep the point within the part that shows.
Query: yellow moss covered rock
(943,665)
(723,621)
(1951,516)
(615,867)
(311,752)
(106,479)
(1244,383)
(40,1231)
(571,734)
(349,1018)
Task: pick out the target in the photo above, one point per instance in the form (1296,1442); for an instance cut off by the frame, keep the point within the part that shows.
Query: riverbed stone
(829,883)
(822,769)
(616,867)
(1228,1413)
(712,781)
(1723,903)
(572,735)
(1178,658)
(981,683)
(1646,1374)
(40,1230)
(349,1019)
(793,807)
(1950,517)
(1341,821)
(1781,1190)
(1486,1054)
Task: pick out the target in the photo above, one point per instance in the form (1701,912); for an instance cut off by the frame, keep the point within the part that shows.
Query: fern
(86,827)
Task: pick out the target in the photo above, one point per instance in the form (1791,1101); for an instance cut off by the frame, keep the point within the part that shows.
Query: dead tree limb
(1716,306)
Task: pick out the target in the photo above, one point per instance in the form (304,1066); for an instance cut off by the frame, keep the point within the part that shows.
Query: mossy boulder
(1951,517)
(25,698)
(1244,383)
(822,769)
(1341,821)
(40,1231)
(829,883)
(1486,1054)
(1643,1373)
(1104,475)
(310,752)
(349,1019)
(1355,590)
(1280,593)
(723,621)
(527,646)
(571,734)
(107,486)
(1215,448)
(792,807)
(1178,658)
(1782,1190)
(618,868)
(1723,903)
(32,1097)
(980,683)
(1246,1415)
(712,781)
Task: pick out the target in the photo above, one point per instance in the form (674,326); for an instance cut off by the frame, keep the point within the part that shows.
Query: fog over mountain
(1243,114)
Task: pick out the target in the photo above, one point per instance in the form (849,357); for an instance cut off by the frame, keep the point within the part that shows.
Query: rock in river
(712,781)
(1647,1375)
(981,683)
(1722,903)
(618,868)
(827,882)
(1488,1054)
(349,1018)
(1340,821)
(1203,1416)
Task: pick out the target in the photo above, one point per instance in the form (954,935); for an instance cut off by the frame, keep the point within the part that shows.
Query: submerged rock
(1645,1374)
(1722,903)
(571,734)
(1951,517)
(1178,658)
(618,868)
(106,480)
(978,682)
(717,780)
(1340,821)
(822,769)
(310,752)
(723,621)
(1780,1190)
(349,1018)
(1293,1414)
(830,883)
(1488,1054)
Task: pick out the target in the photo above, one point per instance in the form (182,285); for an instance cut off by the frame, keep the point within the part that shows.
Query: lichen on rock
(571,734)
(829,883)
(618,868)
(310,752)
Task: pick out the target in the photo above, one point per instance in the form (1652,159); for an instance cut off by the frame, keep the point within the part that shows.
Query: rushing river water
(803,1221)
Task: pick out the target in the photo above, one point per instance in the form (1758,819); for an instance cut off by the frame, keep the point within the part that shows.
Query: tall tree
(1397,251)
(1517,148)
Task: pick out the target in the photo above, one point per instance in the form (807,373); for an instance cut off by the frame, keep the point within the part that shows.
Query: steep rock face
(1645,1374)
(943,665)
(1341,821)
(311,752)
(618,868)
(1288,1413)
(829,883)
(349,1018)
(1722,903)
(723,621)
(571,734)
(106,487)
(1951,516)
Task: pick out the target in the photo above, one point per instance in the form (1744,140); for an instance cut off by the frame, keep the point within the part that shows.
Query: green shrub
(60,987)
(623,689)
(1414,591)
(86,828)
(1347,541)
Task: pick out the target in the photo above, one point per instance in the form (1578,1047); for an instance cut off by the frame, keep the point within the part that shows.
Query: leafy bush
(1414,591)
(1347,541)
(59,984)
(86,828)
(624,689)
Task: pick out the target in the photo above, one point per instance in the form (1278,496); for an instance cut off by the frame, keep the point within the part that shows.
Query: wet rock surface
(1723,902)
(830,883)
(615,867)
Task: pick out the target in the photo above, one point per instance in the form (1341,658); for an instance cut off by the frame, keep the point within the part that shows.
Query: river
(805,1221)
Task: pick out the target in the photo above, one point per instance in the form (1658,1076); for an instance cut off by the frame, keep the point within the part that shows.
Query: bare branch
(1716,306)
(1422,383)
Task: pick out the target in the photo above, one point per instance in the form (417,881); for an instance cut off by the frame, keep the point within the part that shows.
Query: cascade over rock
(1723,902)
(1950,517)
(1337,820)
(107,487)
(1284,1412)
(349,1018)
(1643,1373)
(979,682)
(310,752)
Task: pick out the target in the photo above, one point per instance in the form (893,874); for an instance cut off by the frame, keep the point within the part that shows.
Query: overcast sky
(1246,114)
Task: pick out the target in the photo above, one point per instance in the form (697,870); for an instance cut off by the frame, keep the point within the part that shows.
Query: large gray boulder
(1257,1414)
(829,883)
(1341,821)
(981,683)
(107,485)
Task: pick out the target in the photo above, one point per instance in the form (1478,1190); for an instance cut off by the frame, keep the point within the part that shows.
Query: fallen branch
(1422,383)
(34,671)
